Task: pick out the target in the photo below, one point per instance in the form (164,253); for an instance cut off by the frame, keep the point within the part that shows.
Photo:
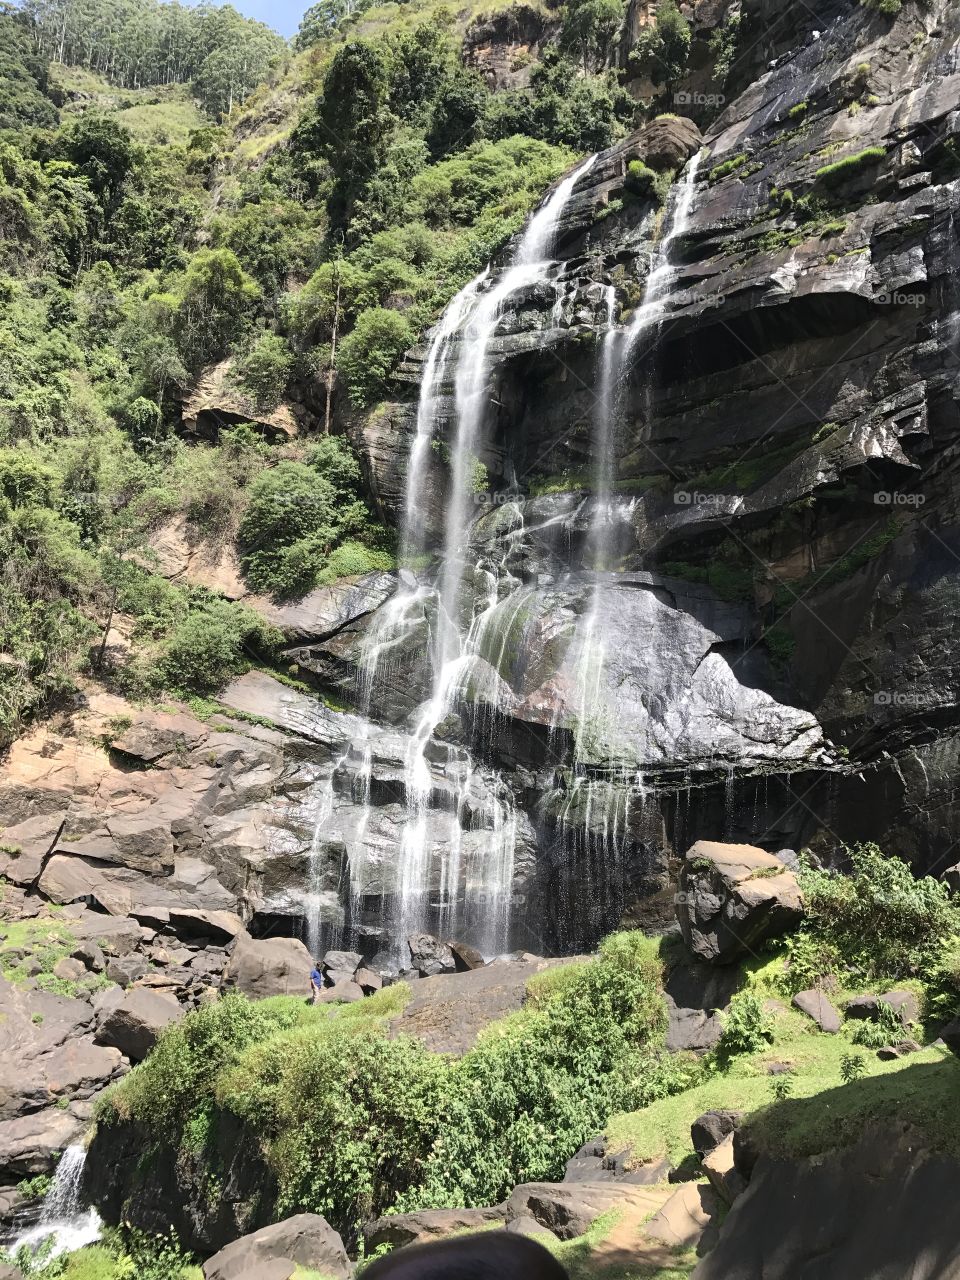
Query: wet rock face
(779,667)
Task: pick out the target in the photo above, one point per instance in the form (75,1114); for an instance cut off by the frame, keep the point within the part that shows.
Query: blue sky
(283,15)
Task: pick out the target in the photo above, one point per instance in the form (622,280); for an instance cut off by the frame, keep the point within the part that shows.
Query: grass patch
(833,175)
(663,1128)
(583,1262)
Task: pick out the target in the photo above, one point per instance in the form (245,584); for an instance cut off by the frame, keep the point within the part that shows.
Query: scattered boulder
(90,956)
(569,1209)
(69,970)
(345,991)
(867,1008)
(709,1130)
(951,878)
(429,955)
(816,1006)
(734,897)
(261,967)
(306,1241)
(133,1024)
(347,962)
(398,1229)
(125,970)
(32,1143)
(686,1217)
(725,1178)
(368,981)
(466,958)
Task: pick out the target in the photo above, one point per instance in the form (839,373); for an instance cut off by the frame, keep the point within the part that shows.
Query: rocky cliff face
(772,608)
(776,604)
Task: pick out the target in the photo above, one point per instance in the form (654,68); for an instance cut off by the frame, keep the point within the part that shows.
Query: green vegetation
(727,167)
(424,1129)
(662,50)
(889,8)
(835,174)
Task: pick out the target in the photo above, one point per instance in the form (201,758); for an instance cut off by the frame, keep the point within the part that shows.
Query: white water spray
(63,1217)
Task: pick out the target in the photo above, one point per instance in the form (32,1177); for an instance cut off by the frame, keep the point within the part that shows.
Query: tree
(369,354)
(590,28)
(663,50)
(214,301)
(350,123)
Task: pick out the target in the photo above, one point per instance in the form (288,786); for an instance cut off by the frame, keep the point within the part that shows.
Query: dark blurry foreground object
(488,1255)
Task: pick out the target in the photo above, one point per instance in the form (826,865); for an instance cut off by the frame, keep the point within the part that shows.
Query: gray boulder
(343,961)
(134,1023)
(398,1229)
(709,1130)
(261,967)
(816,1006)
(306,1241)
(867,1008)
(466,958)
(732,898)
(429,955)
(125,970)
(568,1209)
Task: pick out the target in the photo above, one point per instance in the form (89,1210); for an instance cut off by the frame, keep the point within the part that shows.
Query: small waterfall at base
(63,1216)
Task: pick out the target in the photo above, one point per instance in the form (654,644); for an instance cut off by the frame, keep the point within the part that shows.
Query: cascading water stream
(435,863)
(63,1216)
(595,809)
(455,634)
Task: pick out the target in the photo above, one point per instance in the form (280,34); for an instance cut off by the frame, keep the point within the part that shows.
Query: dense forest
(309,236)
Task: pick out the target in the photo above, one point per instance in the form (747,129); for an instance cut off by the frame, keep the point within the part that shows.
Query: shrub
(886,1028)
(214,642)
(890,8)
(640,179)
(264,371)
(881,919)
(747,1026)
(353,1122)
(369,354)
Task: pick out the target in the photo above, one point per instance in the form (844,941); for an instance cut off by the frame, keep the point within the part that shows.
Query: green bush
(264,371)
(353,1122)
(747,1026)
(881,919)
(216,641)
(640,180)
(370,353)
(890,8)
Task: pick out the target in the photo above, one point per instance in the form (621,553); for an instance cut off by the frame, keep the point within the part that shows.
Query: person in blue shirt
(316,983)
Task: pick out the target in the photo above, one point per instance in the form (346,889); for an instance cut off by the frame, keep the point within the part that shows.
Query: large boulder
(429,955)
(709,1130)
(261,967)
(732,898)
(816,1006)
(881,1208)
(134,1023)
(686,1217)
(306,1241)
(568,1209)
(398,1229)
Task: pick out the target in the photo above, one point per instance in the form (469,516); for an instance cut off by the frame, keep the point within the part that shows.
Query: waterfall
(475,315)
(63,1216)
(595,810)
